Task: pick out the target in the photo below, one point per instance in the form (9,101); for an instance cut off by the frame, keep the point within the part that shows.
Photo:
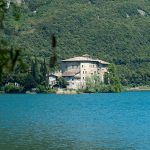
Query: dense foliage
(61,82)
(111,82)
(11,88)
(116,31)
(9,54)
(94,85)
(112,79)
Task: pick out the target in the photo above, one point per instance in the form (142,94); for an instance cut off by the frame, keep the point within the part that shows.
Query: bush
(50,90)
(104,89)
(41,89)
(11,88)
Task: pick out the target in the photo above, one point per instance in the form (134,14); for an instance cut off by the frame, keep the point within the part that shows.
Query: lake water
(75,122)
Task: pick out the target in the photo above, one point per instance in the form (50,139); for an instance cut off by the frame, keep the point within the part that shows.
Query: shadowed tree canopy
(9,54)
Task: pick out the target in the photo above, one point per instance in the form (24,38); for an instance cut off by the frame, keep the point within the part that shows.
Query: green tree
(43,69)
(2,12)
(29,82)
(94,84)
(41,89)
(113,79)
(43,74)
(9,55)
(4,56)
(62,83)
(90,84)
(35,70)
(53,58)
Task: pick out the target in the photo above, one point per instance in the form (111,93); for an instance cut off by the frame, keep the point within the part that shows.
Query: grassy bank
(140,88)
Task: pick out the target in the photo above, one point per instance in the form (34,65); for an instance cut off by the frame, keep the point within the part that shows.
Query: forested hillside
(117,31)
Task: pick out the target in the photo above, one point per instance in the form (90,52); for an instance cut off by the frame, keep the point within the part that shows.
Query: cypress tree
(35,70)
(43,68)
(43,73)
(53,58)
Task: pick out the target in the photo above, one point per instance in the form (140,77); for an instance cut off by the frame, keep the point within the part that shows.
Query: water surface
(75,122)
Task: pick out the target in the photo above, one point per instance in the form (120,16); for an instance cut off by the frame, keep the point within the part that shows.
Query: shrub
(50,90)
(11,88)
(41,89)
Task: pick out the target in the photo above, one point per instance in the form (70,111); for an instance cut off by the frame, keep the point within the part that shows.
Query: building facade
(76,70)
(52,79)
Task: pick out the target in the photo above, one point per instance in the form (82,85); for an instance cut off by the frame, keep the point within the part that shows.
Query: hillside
(117,31)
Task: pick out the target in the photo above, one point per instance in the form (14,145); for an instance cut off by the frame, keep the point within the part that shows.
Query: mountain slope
(117,31)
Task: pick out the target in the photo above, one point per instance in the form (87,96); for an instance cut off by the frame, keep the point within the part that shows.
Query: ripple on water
(75,122)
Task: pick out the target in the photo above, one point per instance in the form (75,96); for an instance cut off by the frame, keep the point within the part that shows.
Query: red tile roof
(70,73)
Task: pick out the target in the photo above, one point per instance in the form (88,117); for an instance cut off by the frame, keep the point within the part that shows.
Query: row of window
(91,66)
(85,72)
(91,73)
(72,67)
(77,66)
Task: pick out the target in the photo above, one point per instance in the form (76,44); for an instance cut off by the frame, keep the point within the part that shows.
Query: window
(82,66)
(83,72)
(83,78)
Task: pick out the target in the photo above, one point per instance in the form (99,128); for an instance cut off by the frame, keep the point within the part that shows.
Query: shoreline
(140,89)
(70,92)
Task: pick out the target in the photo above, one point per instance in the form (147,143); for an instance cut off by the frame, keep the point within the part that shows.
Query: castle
(75,70)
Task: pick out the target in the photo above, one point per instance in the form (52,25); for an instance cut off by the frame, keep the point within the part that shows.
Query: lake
(75,122)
